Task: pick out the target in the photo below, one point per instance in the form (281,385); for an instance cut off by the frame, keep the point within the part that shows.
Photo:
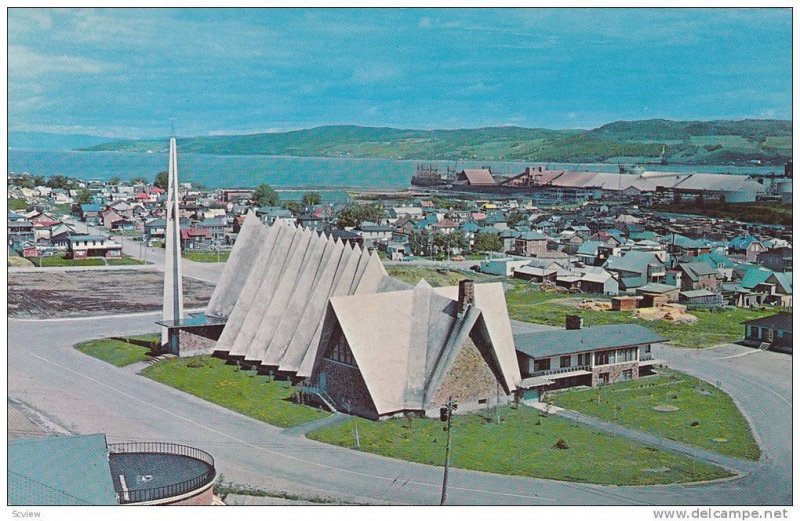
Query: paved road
(206,271)
(86,395)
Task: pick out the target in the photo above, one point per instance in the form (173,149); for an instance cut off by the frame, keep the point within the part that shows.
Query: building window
(603,378)
(482,401)
(341,352)
(647,348)
(602,357)
(627,375)
(541,365)
(585,359)
(565,361)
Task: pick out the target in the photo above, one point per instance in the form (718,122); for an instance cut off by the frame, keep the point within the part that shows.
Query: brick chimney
(574,322)
(466,295)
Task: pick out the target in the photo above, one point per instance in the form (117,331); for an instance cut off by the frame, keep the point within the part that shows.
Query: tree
(355,214)
(139,180)
(59,181)
(162,180)
(265,195)
(292,206)
(39,180)
(487,242)
(84,197)
(25,182)
(114,181)
(311,198)
(515,218)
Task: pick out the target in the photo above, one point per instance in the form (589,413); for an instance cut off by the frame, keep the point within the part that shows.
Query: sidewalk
(301,430)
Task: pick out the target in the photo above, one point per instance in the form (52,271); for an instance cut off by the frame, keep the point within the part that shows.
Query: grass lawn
(60,260)
(206,256)
(436,278)
(522,444)
(15,203)
(118,352)
(704,414)
(712,327)
(243,391)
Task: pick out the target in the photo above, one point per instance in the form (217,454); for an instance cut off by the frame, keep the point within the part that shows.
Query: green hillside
(685,142)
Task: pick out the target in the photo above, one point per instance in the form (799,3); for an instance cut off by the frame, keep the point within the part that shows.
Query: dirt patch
(94,292)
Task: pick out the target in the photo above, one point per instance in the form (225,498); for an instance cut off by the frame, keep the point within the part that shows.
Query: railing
(645,357)
(165,491)
(562,370)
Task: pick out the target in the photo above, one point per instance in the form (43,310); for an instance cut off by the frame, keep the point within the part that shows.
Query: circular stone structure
(665,408)
(159,473)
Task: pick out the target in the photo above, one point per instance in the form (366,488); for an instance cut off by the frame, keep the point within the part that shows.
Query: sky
(127,72)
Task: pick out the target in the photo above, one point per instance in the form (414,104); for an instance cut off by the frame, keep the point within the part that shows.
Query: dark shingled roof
(568,341)
(781,321)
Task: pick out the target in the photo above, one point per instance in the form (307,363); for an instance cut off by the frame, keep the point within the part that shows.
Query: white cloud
(26,63)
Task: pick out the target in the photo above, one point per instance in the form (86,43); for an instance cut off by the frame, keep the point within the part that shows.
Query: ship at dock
(429,175)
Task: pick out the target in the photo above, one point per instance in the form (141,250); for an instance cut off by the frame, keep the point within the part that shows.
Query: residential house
(636,268)
(747,246)
(216,226)
(373,234)
(196,239)
(82,246)
(445,226)
(682,246)
(776,259)
(530,244)
(269,214)
(589,356)
(774,330)
(760,286)
(698,275)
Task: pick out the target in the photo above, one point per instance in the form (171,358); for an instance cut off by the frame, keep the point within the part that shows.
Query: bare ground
(94,292)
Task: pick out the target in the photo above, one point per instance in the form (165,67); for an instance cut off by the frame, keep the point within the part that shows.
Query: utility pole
(446,414)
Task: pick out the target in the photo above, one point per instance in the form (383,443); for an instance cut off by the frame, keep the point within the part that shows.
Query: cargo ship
(428,175)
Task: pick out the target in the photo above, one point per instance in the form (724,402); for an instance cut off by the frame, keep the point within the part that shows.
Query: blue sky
(125,72)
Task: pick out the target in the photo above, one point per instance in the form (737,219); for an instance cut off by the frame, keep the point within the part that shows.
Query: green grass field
(712,327)
(15,203)
(60,260)
(704,414)
(758,212)
(118,352)
(522,444)
(436,278)
(256,396)
(206,256)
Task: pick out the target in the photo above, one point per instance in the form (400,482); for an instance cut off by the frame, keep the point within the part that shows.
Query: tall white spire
(173,280)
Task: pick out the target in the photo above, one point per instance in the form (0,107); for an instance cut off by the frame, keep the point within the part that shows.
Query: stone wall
(469,380)
(200,341)
(345,384)
(614,372)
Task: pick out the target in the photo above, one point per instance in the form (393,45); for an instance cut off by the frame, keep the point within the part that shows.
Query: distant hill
(683,142)
(51,141)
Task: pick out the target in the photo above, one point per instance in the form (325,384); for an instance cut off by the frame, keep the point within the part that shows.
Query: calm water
(246,171)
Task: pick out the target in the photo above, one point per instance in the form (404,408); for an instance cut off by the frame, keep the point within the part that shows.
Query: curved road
(87,395)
